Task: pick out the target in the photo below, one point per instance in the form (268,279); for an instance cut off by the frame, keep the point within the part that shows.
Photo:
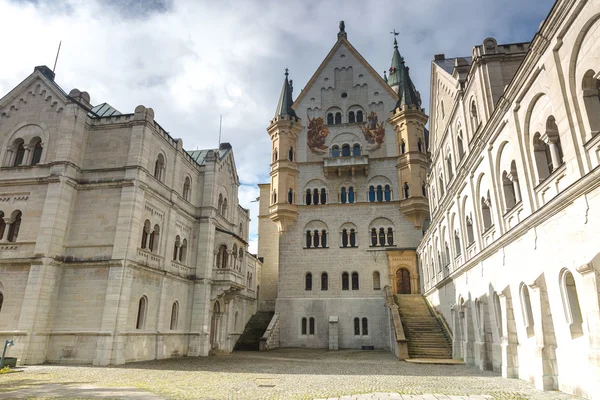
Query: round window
(344,95)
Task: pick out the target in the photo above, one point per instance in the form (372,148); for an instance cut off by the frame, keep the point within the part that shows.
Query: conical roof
(284,106)
(400,81)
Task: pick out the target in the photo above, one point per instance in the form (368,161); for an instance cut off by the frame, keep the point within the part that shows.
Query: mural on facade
(374,132)
(316,134)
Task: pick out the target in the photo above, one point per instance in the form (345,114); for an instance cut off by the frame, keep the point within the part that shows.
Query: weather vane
(395,33)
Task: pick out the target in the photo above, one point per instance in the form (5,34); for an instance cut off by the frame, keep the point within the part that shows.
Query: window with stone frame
(141,315)
(345,281)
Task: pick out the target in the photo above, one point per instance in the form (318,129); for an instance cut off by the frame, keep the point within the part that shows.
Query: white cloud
(192,61)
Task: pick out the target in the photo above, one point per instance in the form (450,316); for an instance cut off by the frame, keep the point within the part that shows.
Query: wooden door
(402,281)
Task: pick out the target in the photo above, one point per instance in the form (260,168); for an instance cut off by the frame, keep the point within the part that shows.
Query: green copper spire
(284,107)
(400,81)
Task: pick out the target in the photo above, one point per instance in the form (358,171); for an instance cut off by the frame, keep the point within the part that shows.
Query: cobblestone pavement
(278,374)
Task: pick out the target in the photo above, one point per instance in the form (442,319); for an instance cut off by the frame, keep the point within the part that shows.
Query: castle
(491,216)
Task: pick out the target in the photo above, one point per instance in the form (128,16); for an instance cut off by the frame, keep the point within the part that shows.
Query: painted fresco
(374,132)
(316,135)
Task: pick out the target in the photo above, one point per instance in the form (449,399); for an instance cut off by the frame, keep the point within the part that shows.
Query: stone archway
(403,281)
(214,326)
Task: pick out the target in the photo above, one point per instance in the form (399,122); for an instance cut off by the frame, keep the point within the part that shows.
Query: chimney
(439,57)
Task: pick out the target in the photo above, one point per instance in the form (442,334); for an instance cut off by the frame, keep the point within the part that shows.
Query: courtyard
(279,374)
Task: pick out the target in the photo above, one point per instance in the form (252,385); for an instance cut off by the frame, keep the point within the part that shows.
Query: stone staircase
(425,334)
(255,328)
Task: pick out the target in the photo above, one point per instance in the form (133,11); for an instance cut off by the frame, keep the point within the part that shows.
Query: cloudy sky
(193,60)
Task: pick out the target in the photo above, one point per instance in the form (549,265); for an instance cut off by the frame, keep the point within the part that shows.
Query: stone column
(516,188)
(8,222)
(333,332)
(8,157)
(591,315)
(550,140)
(510,360)
(27,157)
(468,335)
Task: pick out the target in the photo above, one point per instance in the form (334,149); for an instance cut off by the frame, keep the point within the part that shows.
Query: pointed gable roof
(342,40)
(284,106)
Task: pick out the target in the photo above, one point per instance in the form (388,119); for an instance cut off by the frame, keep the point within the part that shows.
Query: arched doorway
(403,281)
(214,326)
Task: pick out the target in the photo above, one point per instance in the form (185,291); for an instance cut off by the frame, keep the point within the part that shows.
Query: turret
(408,120)
(284,130)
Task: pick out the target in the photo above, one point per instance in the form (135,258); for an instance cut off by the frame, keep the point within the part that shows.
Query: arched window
(330,119)
(498,313)
(1,299)
(373,237)
(509,192)
(402,146)
(359,116)
(145,232)
(324,238)
(591,100)
(486,212)
(420,145)
(351,117)
(316,238)
(323,196)
(457,248)
(174,315)
(381,237)
(308,281)
(387,193)
(338,118)
(37,153)
(355,281)
(474,117)
(225,203)
(356,326)
(423,189)
(344,238)
(13,231)
(571,304)
(335,151)
(356,150)
(345,281)
(274,196)
(187,188)
(441,182)
(159,167)
(220,204)
(183,251)
(346,150)
(449,165)
(371,194)
(461,147)
(234,256)
(240,256)
(153,243)
(176,247)
(390,237)
(376,281)
(141,315)
(311,326)
(304,327)
(447,254)
(470,234)
(343,195)
(542,156)
(379,193)
(2,225)
(308,240)
(222,261)
(291,154)
(324,281)
(365,326)
(20,146)
(352,238)
(526,310)
(316,196)
(350,194)
(235,321)
(308,197)
(290,196)
(406,190)
(275,155)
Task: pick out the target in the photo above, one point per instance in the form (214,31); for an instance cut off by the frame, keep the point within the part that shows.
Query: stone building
(511,258)
(344,210)
(116,244)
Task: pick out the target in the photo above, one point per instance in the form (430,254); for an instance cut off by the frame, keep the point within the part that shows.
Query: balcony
(150,259)
(179,269)
(229,277)
(349,165)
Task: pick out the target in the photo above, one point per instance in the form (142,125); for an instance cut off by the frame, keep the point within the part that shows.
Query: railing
(179,269)
(228,275)
(399,341)
(270,339)
(150,259)
(17,249)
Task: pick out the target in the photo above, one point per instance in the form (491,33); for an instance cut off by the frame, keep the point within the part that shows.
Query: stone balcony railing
(178,269)
(16,249)
(349,164)
(229,276)
(150,259)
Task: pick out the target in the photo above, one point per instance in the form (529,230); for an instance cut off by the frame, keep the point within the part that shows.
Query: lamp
(7,344)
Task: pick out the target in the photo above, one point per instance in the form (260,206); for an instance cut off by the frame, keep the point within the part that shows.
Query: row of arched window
(150,236)
(316,196)
(160,174)
(348,281)
(379,238)
(180,250)
(307,326)
(376,193)
(21,154)
(143,311)
(222,205)
(420,146)
(10,226)
(232,259)
(346,151)
(361,323)
(290,154)
(336,118)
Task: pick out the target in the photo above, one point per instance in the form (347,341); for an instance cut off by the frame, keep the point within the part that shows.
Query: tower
(408,120)
(283,130)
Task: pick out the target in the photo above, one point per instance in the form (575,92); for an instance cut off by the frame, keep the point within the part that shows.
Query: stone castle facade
(116,244)
(511,176)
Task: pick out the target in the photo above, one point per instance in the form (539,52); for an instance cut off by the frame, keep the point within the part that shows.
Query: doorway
(214,326)
(403,281)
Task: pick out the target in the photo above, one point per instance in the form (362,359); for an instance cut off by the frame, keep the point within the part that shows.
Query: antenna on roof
(220,123)
(57,53)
